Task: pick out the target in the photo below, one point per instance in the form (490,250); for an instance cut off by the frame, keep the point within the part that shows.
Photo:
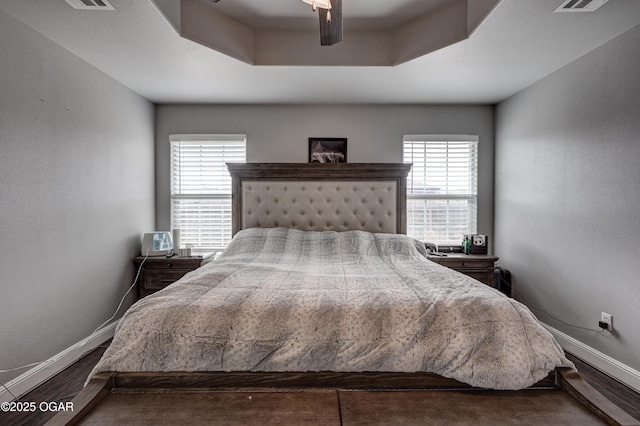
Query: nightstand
(159,272)
(478,266)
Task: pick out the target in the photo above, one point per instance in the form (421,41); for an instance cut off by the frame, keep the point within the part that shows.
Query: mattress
(281,300)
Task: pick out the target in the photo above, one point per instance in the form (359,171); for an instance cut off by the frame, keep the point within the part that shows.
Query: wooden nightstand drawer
(157,273)
(155,280)
(478,266)
(188,263)
(484,276)
(462,263)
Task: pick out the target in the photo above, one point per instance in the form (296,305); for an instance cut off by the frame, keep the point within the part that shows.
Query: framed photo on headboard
(327,150)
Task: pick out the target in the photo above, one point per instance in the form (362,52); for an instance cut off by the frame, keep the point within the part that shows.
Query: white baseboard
(49,368)
(602,362)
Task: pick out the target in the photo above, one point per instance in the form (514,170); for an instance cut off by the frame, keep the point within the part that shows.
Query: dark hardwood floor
(62,387)
(622,395)
(338,406)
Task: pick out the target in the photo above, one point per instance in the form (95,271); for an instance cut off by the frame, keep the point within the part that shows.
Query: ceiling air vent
(580,5)
(90,4)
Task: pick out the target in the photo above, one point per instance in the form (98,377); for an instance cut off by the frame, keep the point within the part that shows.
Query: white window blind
(201,187)
(442,187)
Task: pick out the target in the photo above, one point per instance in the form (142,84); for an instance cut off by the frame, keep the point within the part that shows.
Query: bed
(320,287)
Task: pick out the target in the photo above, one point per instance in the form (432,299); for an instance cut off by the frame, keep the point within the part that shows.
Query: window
(442,195)
(201,188)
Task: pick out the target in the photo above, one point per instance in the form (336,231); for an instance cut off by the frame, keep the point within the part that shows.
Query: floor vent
(90,4)
(580,5)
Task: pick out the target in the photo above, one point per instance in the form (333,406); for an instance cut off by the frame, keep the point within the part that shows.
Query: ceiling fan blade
(331,32)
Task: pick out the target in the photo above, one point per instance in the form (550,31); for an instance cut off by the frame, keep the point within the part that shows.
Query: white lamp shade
(324,4)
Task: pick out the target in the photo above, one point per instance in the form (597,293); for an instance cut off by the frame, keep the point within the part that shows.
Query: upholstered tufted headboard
(320,197)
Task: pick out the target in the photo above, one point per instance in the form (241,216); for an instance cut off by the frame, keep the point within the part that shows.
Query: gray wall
(76,191)
(568,195)
(280,134)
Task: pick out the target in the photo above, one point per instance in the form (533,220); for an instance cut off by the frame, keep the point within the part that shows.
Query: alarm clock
(478,244)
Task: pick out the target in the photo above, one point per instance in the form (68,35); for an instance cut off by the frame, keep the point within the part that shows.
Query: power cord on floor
(86,339)
(535,308)
(146,256)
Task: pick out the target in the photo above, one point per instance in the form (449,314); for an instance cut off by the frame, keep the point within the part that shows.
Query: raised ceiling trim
(303,49)
(428,33)
(453,22)
(211,28)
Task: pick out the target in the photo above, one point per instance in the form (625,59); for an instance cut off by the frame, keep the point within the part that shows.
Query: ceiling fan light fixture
(330,23)
(324,4)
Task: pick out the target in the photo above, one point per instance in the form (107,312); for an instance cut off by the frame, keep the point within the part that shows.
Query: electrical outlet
(608,319)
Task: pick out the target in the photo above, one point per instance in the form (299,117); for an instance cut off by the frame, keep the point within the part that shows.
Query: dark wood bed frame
(102,385)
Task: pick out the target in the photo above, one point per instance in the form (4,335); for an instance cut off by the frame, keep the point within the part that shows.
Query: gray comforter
(287,300)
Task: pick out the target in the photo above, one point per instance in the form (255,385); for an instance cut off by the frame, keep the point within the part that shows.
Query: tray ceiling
(139,44)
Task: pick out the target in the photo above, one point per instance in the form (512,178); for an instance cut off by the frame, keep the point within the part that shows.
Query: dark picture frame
(327,150)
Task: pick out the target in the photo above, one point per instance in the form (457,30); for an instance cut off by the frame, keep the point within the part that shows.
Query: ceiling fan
(330,17)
